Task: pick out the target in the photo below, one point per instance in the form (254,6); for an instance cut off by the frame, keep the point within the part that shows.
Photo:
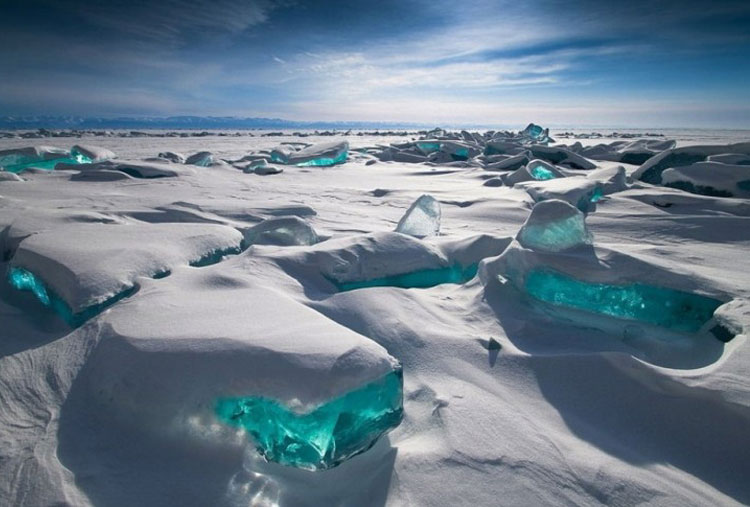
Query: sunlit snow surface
(580,339)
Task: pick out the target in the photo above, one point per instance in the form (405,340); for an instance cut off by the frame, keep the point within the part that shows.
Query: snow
(509,395)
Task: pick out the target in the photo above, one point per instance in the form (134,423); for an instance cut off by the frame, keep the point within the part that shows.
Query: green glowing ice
(428,147)
(672,309)
(542,173)
(22,279)
(23,163)
(417,279)
(324,161)
(322,437)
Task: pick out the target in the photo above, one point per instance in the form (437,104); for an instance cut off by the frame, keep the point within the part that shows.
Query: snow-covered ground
(507,400)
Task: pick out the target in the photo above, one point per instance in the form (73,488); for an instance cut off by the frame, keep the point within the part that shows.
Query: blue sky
(588,63)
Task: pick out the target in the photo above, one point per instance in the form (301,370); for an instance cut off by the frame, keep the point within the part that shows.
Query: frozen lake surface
(551,325)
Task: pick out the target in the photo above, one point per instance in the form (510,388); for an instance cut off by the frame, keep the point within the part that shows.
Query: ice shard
(553,226)
(324,436)
(422,219)
(669,308)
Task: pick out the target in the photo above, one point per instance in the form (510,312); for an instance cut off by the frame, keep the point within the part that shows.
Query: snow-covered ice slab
(710,178)
(652,169)
(135,169)
(668,316)
(86,267)
(581,192)
(309,393)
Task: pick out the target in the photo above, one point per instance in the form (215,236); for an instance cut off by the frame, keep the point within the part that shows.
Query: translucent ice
(673,309)
(324,436)
(20,159)
(202,158)
(428,147)
(282,231)
(541,173)
(422,219)
(325,154)
(416,280)
(553,226)
(22,279)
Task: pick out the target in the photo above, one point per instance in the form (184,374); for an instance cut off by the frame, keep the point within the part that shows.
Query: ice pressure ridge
(324,436)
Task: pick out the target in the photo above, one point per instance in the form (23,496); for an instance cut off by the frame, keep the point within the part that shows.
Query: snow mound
(164,368)
(710,178)
(666,317)
(651,170)
(114,257)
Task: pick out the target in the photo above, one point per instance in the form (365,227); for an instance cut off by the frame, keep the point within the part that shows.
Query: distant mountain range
(185,122)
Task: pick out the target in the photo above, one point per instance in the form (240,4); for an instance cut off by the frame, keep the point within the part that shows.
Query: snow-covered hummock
(553,226)
(508,163)
(611,179)
(268,365)
(651,170)
(135,169)
(323,154)
(90,153)
(627,152)
(282,231)
(579,191)
(667,316)
(710,178)
(422,219)
(202,158)
(86,265)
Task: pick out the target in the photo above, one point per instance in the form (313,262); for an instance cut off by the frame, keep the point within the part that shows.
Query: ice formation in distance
(669,308)
(325,154)
(422,219)
(325,436)
(40,157)
(554,225)
(202,158)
